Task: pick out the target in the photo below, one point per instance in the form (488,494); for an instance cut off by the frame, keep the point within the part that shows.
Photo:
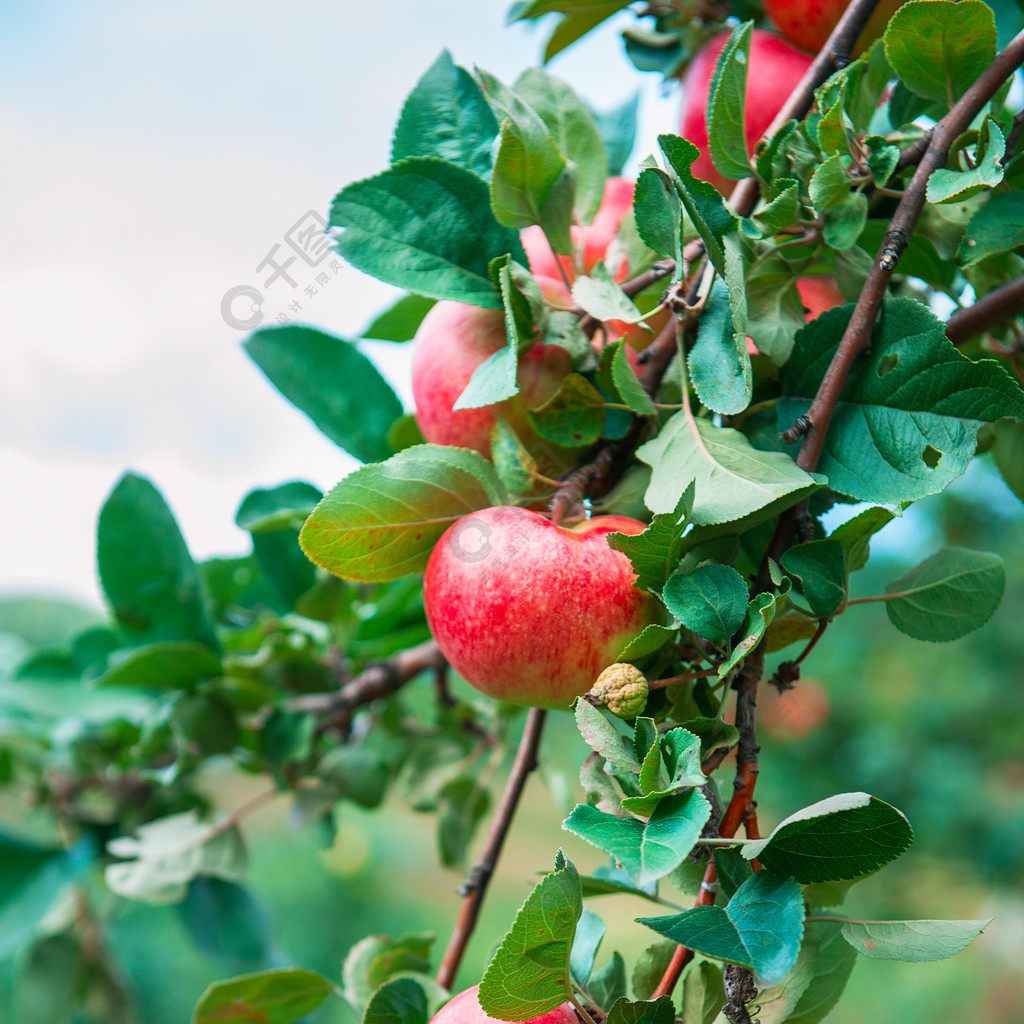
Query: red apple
(465,1008)
(774,70)
(617,202)
(818,293)
(530,612)
(452,341)
(809,23)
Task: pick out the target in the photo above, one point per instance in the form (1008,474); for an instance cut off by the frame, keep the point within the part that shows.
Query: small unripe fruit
(622,689)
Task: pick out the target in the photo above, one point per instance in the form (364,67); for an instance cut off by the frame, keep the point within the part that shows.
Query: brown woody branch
(474,889)
(989,311)
(377,681)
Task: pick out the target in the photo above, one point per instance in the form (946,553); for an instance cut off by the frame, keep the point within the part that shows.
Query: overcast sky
(154,155)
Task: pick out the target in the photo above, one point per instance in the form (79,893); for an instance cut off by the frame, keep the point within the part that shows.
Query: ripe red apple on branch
(530,612)
(465,1008)
(808,23)
(775,69)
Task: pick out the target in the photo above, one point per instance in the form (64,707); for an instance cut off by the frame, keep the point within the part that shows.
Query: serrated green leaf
(648,850)
(761,927)
(271,508)
(906,424)
(602,298)
(882,158)
(938,48)
(654,554)
(605,739)
(760,613)
(856,533)
(996,228)
(703,993)
(650,639)
(167,665)
(946,185)
(399,1001)
(778,1001)
(845,223)
(911,941)
(615,377)
(268,997)
(446,116)
(572,127)
(650,967)
(514,465)
(376,959)
(679,751)
(783,209)
(947,596)
(145,569)
(718,362)
(400,321)
(657,1011)
(331,382)
(842,837)
(529,974)
(703,203)
(829,186)
(573,416)
(732,479)
(427,226)
(820,565)
(608,985)
(659,216)
(382,521)
(727,105)
(711,600)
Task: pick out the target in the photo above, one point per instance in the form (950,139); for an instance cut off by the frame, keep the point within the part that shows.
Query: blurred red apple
(597,237)
(530,612)
(793,713)
(809,23)
(465,1008)
(818,293)
(774,71)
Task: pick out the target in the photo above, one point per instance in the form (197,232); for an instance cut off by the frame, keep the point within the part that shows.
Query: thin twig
(989,311)
(474,889)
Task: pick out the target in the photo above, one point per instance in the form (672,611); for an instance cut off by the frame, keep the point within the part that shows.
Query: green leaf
(605,739)
(575,132)
(145,568)
(648,850)
(946,185)
(514,465)
(272,508)
(1008,452)
(996,228)
(650,967)
(856,533)
(532,181)
(829,185)
(608,985)
(911,941)
(938,48)
(833,965)
(907,421)
(761,927)
(573,416)
(719,363)
(703,204)
(783,210)
(618,132)
(776,1002)
(268,997)
(399,1001)
(464,804)
(226,923)
(711,600)
(493,380)
(659,216)
(333,383)
(400,321)
(650,639)
(760,613)
(589,932)
(727,105)
(883,158)
(31,878)
(427,226)
(820,565)
(382,521)
(680,751)
(774,310)
(733,870)
(703,993)
(658,1011)
(446,116)
(732,478)
(947,596)
(602,298)
(168,665)
(838,838)
(845,223)
(169,852)
(654,554)
(376,959)
(529,974)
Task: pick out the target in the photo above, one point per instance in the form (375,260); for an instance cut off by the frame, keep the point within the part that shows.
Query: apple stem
(474,889)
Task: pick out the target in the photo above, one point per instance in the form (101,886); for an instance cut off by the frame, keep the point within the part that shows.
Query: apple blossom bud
(622,689)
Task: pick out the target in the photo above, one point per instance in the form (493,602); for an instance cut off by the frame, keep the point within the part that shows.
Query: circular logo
(470,539)
(227,312)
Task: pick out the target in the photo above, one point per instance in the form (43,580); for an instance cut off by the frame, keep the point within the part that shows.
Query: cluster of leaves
(243,657)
